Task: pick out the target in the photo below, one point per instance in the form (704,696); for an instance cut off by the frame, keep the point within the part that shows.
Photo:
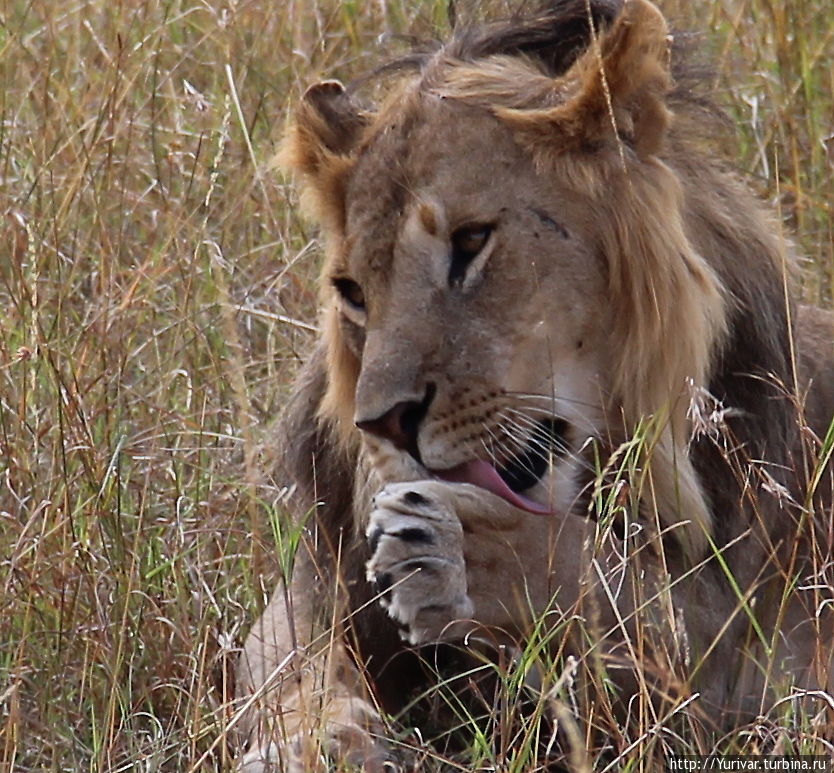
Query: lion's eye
(350,291)
(467,243)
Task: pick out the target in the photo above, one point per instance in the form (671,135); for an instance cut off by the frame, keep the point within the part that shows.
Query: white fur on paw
(417,562)
(263,759)
(345,744)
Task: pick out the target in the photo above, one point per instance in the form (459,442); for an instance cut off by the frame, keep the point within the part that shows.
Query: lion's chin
(485,476)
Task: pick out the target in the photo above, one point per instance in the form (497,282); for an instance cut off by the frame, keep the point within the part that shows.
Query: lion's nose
(400,424)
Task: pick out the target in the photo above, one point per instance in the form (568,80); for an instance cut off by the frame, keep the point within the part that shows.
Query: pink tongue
(484,475)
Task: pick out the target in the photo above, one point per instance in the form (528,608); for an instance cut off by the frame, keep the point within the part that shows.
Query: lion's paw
(417,562)
(345,745)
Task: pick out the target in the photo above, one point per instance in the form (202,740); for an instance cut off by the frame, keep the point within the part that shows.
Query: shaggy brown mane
(555,37)
(552,40)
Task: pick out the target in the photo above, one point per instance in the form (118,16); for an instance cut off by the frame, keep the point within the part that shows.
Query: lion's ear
(616,88)
(319,145)
(327,123)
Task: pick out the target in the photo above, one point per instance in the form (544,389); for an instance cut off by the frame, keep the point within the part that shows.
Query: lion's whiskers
(520,431)
(551,408)
(540,437)
(508,452)
(552,398)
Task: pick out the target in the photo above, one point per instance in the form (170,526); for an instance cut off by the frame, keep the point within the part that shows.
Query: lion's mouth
(519,472)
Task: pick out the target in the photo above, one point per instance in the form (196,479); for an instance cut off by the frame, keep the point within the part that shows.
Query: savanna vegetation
(157,289)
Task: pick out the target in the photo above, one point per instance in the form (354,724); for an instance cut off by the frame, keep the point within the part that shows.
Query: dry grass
(156,289)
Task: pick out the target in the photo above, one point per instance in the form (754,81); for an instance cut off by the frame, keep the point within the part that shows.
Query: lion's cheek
(572,375)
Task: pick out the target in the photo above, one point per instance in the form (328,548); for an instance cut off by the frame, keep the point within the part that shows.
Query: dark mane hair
(553,35)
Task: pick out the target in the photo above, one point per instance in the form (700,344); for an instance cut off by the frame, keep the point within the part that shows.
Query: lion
(562,376)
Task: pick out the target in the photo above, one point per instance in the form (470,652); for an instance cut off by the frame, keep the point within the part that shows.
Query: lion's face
(510,270)
(469,289)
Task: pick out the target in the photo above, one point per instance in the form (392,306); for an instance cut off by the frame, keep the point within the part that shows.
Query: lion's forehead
(443,151)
